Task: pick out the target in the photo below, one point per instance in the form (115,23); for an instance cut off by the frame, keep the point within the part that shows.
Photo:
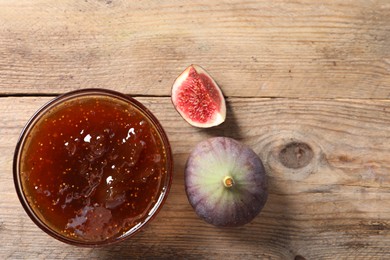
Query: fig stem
(228,182)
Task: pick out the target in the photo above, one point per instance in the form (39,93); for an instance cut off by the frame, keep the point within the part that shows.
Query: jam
(94,168)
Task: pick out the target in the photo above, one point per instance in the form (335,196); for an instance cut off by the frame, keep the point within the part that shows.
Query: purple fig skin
(225,182)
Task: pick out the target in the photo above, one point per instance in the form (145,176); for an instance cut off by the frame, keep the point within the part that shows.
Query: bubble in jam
(93,168)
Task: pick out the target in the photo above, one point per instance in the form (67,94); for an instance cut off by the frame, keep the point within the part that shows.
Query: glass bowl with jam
(92,167)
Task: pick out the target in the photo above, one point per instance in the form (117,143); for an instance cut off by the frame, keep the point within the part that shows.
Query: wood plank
(337,206)
(336,49)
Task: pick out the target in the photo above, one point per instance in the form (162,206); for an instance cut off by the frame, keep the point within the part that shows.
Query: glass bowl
(92,167)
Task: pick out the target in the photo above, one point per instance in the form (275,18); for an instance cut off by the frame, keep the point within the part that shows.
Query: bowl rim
(57,101)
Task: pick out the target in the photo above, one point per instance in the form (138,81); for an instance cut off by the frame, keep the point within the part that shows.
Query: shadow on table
(229,128)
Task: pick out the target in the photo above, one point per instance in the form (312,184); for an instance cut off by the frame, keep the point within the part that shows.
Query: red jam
(93,168)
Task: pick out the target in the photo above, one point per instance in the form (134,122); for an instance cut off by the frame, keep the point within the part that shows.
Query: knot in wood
(296,155)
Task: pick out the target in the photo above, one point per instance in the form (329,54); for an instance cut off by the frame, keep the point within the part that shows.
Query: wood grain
(307,86)
(302,48)
(335,207)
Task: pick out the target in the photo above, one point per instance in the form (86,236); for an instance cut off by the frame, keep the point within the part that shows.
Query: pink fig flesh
(198,98)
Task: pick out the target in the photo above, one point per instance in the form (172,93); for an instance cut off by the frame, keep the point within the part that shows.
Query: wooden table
(307,86)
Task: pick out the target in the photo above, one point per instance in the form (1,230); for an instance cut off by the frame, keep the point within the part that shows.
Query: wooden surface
(307,85)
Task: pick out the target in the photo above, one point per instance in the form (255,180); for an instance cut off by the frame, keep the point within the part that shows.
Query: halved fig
(225,182)
(198,98)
